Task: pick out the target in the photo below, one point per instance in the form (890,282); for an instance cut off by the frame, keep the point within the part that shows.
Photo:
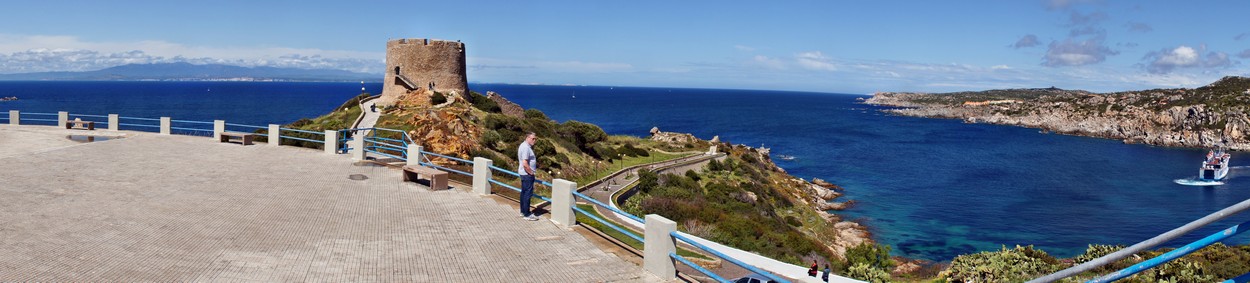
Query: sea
(930,188)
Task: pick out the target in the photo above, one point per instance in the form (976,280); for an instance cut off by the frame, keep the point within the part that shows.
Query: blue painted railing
(1177,253)
(40,114)
(1155,241)
(730,259)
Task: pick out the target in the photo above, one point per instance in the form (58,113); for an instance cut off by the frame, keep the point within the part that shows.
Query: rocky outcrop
(445,130)
(509,108)
(1210,116)
(672,138)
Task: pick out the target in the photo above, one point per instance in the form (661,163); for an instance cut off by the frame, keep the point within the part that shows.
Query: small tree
(438,98)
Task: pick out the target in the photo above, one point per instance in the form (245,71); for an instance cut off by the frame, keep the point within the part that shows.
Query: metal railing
(730,259)
(1158,240)
(288,137)
(40,114)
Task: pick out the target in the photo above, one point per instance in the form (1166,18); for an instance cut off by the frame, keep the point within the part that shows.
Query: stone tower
(419,65)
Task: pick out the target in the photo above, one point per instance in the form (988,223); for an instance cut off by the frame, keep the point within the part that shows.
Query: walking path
(150,207)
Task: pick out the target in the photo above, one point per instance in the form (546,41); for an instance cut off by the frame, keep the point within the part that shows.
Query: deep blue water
(931,188)
(247,103)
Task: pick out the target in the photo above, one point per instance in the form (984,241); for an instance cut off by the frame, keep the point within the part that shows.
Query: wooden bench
(80,124)
(246,138)
(438,178)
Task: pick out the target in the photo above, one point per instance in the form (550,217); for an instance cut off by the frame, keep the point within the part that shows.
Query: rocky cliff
(1209,116)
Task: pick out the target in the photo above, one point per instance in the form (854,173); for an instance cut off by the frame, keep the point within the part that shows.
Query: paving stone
(177,208)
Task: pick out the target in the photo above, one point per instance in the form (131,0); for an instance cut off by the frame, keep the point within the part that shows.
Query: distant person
(812,272)
(373,108)
(824,277)
(528,164)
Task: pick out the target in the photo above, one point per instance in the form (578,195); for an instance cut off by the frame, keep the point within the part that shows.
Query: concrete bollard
(562,203)
(165,126)
(275,134)
(357,145)
(113,120)
(61,118)
(15,118)
(481,175)
(332,142)
(219,126)
(658,245)
(414,155)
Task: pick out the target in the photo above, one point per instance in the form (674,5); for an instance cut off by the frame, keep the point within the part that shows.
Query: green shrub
(693,175)
(353,102)
(491,139)
(438,98)
(535,114)
(1181,270)
(873,255)
(604,152)
(481,102)
(714,165)
(793,221)
(865,272)
(582,134)
(1096,251)
(1007,265)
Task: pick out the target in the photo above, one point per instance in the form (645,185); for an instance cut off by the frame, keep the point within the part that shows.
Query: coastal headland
(1210,116)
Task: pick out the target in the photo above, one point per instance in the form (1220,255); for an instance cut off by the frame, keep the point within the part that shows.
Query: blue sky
(826,46)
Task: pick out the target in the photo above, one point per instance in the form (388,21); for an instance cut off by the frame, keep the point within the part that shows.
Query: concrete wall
(424,61)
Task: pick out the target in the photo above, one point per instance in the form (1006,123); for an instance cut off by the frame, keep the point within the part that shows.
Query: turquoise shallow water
(931,188)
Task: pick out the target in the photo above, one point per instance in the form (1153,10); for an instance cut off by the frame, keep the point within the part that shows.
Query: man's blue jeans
(527,192)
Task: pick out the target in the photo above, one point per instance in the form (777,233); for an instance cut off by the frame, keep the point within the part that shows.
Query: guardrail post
(165,126)
(332,142)
(61,118)
(562,203)
(481,174)
(414,159)
(113,122)
(218,127)
(275,135)
(358,148)
(659,243)
(14,118)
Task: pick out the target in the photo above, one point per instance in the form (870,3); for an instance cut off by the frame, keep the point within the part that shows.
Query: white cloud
(36,53)
(815,60)
(1167,60)
(1000,67)
(1072,52)
(744,48)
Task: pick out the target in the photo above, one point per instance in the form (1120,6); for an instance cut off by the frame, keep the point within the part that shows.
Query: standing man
(528,165)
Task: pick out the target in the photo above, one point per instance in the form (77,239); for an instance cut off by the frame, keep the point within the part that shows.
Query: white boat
(1215,168)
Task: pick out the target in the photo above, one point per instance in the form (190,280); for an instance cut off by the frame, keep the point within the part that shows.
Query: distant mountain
(191,72)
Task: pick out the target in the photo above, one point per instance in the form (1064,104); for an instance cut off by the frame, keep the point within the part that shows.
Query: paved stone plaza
(148,207)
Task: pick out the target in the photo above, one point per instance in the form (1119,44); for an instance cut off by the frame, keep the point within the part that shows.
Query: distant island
(1209,116)
(191,72)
